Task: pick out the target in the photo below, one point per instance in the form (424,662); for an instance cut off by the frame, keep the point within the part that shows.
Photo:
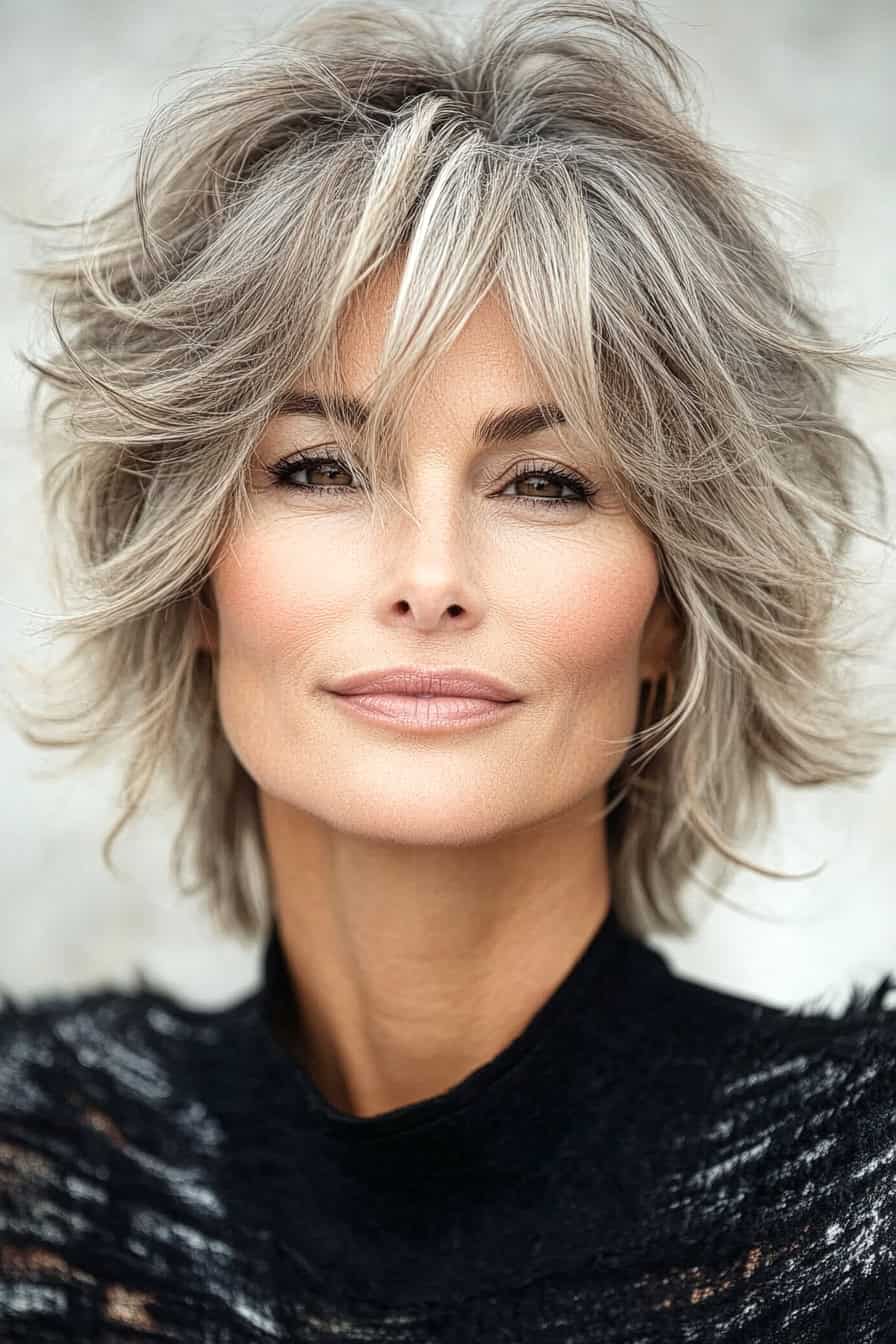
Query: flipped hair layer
(549,152)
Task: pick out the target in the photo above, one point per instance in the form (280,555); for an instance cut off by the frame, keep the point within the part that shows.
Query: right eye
(283,472)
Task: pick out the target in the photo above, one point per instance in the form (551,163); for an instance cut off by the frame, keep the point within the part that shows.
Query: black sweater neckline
(400,1206)
(599,993)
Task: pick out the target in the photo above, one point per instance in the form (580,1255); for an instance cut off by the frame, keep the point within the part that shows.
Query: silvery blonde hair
(550,152)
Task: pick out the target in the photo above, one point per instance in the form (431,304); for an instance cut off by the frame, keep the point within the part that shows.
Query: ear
(205,625)
(661,639)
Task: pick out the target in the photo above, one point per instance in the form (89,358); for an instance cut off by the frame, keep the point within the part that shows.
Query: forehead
(484,360)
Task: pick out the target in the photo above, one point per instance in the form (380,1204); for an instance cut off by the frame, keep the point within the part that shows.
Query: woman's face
(559,601)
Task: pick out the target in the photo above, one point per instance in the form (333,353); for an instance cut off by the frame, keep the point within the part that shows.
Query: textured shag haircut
(548,151)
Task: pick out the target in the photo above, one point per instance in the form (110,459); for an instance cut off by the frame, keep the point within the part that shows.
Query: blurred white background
(800,95)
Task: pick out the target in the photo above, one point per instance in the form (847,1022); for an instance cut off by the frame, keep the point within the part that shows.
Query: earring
(668,680)
(649,702)
(668,692)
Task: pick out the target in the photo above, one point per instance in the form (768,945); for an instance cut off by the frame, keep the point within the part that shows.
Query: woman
(448,458)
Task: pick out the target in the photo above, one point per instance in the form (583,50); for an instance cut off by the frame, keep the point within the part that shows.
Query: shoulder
(863,1031)
(743,1048)
(789,1117)
(106,1143)
(105,1072)
(69,1054)
(770,1138)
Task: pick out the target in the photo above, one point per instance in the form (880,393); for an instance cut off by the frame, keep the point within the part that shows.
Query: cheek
(278,589)
(279,604)
(592,609)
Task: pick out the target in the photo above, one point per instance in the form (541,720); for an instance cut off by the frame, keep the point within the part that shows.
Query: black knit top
(649,1160)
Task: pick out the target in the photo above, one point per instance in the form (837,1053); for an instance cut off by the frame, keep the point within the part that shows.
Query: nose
(428,562)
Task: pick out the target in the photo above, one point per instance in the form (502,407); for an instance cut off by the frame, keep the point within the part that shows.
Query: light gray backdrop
(800,94)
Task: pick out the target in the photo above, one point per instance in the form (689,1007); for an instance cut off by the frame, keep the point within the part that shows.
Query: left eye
(284,472)
(582,493)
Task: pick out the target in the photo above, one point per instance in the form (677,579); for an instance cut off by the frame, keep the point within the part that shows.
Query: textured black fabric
(649,1160)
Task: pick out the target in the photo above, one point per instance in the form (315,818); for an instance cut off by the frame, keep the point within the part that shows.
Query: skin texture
(432,891)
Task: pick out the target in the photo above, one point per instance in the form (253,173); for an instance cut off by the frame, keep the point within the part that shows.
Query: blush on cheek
(599,621)
(269,592)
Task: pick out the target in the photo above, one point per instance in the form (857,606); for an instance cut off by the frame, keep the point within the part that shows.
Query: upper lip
(437,681)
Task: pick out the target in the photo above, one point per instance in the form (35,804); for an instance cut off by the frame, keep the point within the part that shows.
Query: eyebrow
(500,427)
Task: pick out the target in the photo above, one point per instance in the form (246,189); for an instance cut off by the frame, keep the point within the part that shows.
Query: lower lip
(426,713)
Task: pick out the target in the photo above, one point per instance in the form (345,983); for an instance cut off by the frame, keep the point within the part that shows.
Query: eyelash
(281,471)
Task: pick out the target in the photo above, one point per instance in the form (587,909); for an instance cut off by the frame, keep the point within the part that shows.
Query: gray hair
(549,151)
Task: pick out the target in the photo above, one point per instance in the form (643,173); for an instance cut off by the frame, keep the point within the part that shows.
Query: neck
(412,966)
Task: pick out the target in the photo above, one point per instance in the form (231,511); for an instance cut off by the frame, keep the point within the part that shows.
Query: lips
(430,682)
